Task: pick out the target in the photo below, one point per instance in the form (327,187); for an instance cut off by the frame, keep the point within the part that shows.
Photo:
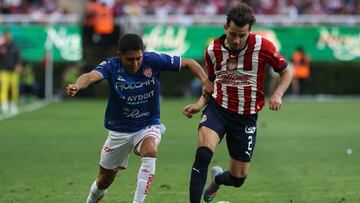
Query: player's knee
(106,177)
(237,182)
(204,154)
(149,152)
(148,148)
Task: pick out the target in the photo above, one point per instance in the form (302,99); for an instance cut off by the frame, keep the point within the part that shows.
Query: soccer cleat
(212,188)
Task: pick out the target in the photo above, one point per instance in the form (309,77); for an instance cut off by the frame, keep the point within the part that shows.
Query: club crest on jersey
(203,118)
(148,72)
(232,63)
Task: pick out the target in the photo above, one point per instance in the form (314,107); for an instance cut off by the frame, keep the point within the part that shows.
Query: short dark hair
(130,42)
(241,14)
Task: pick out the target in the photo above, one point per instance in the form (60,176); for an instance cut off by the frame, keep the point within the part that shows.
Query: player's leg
(241,144)
(114,156)
(208,139)
(240,139)
(14,83)
(235,176)
(4,90)
(240,149)
(147,143)
(211,190)
(99,187)
(211,131)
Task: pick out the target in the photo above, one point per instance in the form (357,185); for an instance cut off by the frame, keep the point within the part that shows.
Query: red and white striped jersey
(238,76)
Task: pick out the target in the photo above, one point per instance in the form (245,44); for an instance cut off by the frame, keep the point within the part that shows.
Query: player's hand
(72,89)
(207,87)
(275,102)
(191,109)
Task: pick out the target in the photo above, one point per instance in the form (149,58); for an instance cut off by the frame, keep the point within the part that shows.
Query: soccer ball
(223,202)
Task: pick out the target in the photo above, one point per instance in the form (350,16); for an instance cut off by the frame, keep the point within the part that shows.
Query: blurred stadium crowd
(187,7)
(36,7)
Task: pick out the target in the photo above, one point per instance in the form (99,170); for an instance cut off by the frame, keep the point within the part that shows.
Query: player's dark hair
(130,42)
(241,14)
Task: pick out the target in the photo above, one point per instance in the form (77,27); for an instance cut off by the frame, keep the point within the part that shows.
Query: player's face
(131,60)
(236,36)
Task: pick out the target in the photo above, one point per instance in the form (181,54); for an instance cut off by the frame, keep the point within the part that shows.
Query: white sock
(13,107)
(5,107)
(95,194)
(144,178)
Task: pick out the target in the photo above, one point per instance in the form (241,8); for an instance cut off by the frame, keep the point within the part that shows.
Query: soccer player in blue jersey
(133,111)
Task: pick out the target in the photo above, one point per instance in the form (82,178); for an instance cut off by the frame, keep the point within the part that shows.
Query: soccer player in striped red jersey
(236,63)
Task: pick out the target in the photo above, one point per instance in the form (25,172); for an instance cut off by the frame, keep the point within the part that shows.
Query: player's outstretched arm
(284,82)
(191,109)
(83,82)
(207,86)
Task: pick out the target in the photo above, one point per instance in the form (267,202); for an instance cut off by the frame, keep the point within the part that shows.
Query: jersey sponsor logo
(134,85)
(140,97)
(250,130)
(148,72)
(224,77)
(135,113)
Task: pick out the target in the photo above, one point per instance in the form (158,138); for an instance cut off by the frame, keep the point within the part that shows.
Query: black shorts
(240,129)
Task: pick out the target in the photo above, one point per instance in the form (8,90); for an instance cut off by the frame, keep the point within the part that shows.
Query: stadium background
(327,30)
(313,142)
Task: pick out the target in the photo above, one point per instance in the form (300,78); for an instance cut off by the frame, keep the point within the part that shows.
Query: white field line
(25,109)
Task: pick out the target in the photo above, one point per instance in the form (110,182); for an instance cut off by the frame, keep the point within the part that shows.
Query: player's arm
(83,82)
(284,82)
(191,109)
(198,71)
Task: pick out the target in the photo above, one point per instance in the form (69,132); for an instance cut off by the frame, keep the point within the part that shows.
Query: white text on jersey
(125,86)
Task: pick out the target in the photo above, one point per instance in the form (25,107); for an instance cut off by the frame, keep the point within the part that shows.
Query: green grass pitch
(51,155)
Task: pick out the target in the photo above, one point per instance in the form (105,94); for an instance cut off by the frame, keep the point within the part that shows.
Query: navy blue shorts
(240,129)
